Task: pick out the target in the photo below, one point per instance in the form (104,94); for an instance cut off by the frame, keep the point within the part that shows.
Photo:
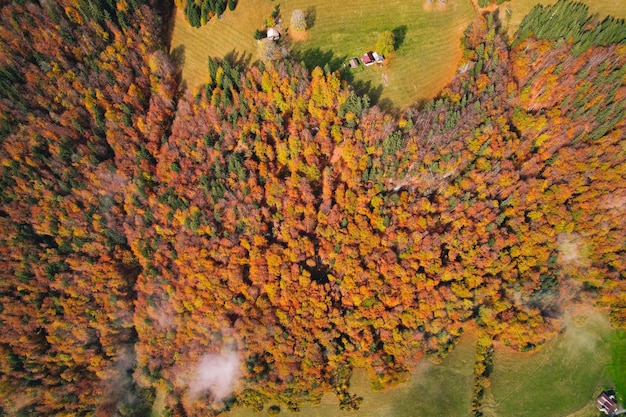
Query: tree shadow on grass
(387,106)
(310,15)
(177,56)
(373,90)
(238,59)
(316,57)
(399,34)
(363,88)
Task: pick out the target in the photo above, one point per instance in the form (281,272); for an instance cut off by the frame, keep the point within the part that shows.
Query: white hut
(272,33)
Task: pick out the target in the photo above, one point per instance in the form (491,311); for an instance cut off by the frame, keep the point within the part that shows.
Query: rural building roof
(354,63)
(368,58)
(272,33)
(606,403)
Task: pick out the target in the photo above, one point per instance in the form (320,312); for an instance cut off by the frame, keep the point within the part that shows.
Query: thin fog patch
(573,249)
(614,202)
(119,384)
(215,374)
(585,327)
(163,315)
(569,248)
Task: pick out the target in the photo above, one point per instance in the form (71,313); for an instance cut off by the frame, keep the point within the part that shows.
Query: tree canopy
(276,222)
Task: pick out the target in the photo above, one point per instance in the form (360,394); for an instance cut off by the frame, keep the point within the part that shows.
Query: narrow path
(521,385)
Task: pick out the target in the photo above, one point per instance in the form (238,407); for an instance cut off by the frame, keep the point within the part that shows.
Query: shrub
(386,43)
(298,20)
(274,410)
(271,51)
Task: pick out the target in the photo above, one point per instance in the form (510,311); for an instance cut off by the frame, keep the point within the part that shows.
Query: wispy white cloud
(584,328)
(216,374)
(574,250)
(118,382)
(570,248)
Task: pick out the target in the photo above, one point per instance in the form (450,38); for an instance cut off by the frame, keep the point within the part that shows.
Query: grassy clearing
(617,367)
(426,60)
(230,37)
(428,44)
(512,13)
(434,390)
(561,379)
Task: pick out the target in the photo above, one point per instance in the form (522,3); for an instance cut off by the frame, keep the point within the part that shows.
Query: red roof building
(606,403)
(368,59)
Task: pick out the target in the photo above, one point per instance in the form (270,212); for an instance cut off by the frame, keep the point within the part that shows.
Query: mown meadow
(563,378)
(427,40)
(427,33)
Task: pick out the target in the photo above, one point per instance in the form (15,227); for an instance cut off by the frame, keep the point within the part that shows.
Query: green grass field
(425,61)
(617,367)
(434,390)
(561,379)
(428,36)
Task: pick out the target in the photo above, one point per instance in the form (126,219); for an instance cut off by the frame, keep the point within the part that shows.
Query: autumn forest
(277,221)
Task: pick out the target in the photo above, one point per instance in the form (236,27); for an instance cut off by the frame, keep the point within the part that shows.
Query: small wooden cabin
(273,34)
